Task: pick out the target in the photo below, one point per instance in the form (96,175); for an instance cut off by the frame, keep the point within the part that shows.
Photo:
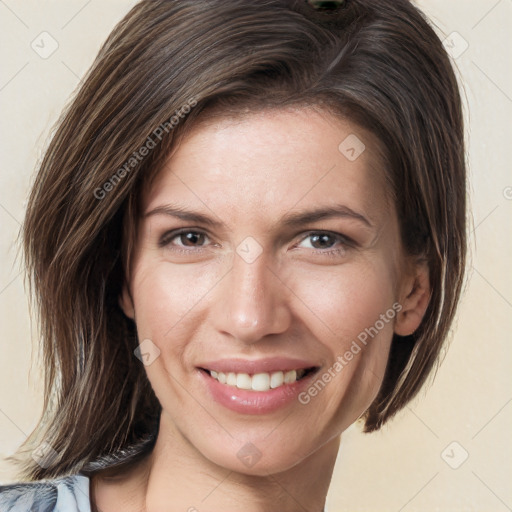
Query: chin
(259,451)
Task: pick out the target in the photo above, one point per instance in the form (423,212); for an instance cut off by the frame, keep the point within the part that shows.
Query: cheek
(166,296)
(353,318)
(346,300)
(168,312)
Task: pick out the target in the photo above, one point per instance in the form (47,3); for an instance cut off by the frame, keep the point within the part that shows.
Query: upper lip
(266,365)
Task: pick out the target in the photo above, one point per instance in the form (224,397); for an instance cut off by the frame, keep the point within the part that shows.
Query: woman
(247,233)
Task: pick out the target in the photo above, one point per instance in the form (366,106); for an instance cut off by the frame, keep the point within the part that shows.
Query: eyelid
(166,238)
(344,241)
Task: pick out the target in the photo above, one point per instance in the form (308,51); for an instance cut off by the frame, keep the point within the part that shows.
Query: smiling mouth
(264,381)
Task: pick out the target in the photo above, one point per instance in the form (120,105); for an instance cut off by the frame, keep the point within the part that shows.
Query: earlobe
(415,298)
(126,302)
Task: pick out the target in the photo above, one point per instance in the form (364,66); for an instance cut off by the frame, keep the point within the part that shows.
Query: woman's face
(266,284)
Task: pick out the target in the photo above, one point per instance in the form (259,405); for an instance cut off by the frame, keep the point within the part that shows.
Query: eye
(322,242)
(326,242)
(184,238)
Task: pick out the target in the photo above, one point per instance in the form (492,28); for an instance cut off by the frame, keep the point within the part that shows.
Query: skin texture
(200,301)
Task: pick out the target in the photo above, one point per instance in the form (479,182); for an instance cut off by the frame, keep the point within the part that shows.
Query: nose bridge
(253,301)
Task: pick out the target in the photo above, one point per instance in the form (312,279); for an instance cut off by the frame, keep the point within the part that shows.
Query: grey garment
(67,494)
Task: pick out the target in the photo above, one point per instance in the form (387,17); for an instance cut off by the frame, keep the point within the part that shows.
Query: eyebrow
(289,220)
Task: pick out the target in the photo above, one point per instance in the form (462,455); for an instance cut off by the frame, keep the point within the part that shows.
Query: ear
(414,298)
(126,302)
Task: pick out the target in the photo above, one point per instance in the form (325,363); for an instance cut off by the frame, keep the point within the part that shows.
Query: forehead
(270,161)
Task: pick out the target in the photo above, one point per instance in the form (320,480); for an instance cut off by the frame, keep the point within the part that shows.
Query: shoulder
(66,494)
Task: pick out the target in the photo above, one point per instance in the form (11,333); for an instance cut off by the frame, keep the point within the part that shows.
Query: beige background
(402,467)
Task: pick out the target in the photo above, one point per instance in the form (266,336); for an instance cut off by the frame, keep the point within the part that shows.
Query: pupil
(323,239)
(192,237)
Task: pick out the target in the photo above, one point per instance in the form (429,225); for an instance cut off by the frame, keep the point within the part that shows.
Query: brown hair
(377,63)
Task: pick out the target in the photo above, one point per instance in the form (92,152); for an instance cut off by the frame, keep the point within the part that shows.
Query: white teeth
(258,381)
(290,376)
(243,381)
(276,379)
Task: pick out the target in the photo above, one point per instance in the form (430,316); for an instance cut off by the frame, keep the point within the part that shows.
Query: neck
(176,477)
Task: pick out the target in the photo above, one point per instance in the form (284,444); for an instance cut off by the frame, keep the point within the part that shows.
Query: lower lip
(254,402)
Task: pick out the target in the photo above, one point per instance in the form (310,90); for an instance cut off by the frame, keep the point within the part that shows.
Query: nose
(252,302)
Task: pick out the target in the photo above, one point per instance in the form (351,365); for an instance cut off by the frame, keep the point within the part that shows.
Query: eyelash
(345,241)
